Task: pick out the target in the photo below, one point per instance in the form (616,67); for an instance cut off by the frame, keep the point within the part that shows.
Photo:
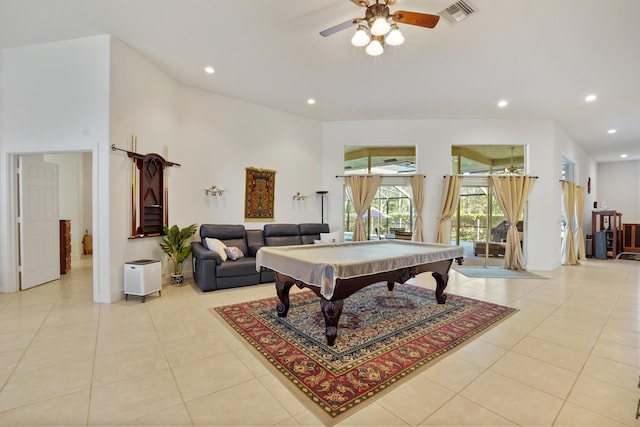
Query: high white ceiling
(543,56)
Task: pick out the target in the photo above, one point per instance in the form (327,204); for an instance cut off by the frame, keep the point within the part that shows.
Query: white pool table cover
(321,265)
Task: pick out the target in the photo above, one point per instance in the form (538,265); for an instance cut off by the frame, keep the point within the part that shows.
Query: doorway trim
(9,216)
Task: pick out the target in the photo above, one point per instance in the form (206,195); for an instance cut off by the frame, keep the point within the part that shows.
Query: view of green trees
(474,211)
(390,209)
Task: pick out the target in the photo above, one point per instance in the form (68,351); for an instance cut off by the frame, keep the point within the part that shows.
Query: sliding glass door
(479,224)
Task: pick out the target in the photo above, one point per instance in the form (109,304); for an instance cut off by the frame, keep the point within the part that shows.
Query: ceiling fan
(512,170)
(374,29)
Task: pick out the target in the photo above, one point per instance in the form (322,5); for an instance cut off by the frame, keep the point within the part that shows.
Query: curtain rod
(564,180)
(381,175)
(482,176)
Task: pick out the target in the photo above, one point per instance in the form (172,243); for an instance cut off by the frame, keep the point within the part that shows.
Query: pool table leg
(441,284)
(283,287)
(331,310)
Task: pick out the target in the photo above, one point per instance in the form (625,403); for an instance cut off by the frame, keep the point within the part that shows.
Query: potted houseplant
(176,245)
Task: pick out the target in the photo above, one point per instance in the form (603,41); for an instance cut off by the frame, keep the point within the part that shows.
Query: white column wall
(143,103)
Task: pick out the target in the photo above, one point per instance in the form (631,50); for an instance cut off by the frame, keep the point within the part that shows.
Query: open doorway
(479,226)
(84,186)
(72,190)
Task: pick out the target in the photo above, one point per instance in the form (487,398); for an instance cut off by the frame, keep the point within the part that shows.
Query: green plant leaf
(176,245)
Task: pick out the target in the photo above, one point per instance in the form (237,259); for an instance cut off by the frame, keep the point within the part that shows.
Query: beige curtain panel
(361,190)
(579,233)
(452,186)
(417,192)
(568,254)
(512,193)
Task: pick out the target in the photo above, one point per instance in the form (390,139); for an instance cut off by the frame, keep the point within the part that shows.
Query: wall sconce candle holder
(214,191)
(299,196)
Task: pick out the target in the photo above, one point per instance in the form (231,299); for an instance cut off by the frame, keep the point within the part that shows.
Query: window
(567,169)
(363,159)
(391,210)
(567,175)
(487,159)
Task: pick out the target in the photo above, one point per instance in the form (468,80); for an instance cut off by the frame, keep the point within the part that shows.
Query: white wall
(86,185)
(618,187)
(54,99)
(71,198)
(225,136)
(433,139)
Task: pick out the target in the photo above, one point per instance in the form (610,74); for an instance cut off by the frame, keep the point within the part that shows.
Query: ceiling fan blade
(339,27)
(415,18)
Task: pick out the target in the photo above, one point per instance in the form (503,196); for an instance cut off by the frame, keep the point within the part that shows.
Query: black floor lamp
(322,193)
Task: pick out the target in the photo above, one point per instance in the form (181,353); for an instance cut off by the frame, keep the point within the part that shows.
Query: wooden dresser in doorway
(65,246)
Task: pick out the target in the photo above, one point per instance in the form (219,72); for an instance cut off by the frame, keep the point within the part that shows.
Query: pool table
(337,270)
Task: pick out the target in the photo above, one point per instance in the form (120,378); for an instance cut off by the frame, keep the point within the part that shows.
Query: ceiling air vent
(458,11)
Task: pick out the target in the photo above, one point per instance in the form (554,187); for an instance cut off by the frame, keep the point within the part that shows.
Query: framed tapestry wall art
(259,194)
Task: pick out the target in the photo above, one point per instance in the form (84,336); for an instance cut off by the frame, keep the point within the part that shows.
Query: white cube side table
(142,277)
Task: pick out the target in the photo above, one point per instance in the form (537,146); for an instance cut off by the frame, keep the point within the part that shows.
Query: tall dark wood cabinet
(65,246)
(631,237)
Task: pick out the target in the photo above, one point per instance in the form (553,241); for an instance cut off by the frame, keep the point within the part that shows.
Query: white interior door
(39,222)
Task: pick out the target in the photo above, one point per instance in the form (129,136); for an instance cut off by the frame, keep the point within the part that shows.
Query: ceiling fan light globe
(394,38)
(380,27)
(375,48)
(360,38)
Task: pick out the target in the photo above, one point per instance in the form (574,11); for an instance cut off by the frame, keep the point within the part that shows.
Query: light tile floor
(570,356)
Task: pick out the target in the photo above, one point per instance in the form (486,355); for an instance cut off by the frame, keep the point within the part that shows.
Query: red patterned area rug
(382,338)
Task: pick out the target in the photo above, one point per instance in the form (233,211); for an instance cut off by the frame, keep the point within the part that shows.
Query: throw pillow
(233,253)
(217,246)
(329,237)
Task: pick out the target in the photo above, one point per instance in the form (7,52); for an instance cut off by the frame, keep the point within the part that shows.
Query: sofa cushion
(233,253)
(229,234)
(242,267)
(281,234)
(330,237)
(216,246)
(311,232)
(255,241)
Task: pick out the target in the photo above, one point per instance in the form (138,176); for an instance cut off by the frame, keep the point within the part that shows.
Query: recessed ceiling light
(590,98)
(502,103)
(209,70)
(611,131)
(624,156)
(311,101)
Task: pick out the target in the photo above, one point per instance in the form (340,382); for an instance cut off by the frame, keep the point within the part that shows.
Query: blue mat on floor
(493,272)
